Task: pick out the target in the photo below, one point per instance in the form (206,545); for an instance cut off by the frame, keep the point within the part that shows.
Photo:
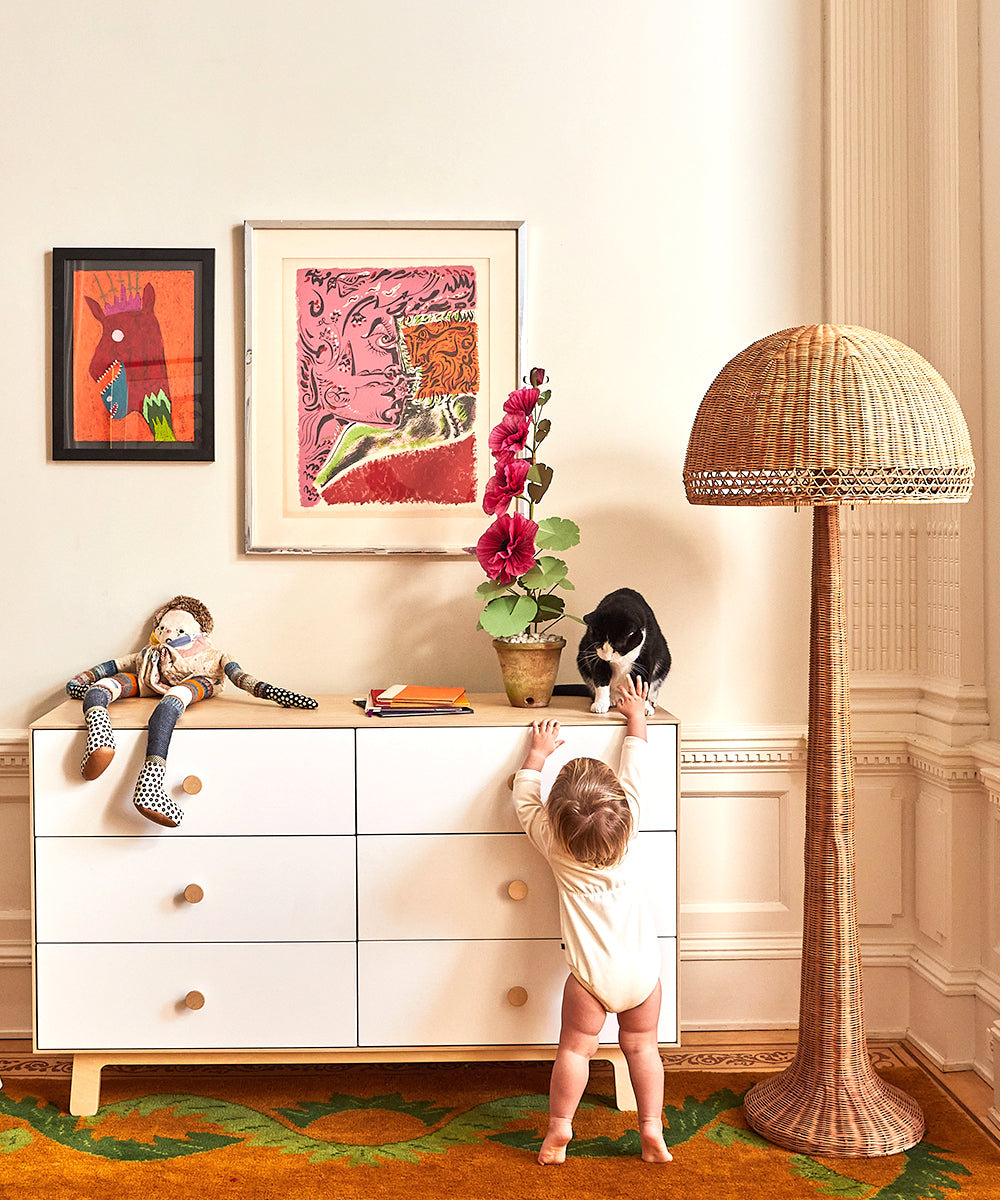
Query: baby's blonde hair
(590,813)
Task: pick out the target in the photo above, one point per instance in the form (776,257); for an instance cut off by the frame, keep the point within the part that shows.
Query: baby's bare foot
(654,1148)
(557,1138)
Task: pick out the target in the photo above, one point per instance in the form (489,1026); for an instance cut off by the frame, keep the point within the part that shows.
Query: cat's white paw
(650,709)
(600,706)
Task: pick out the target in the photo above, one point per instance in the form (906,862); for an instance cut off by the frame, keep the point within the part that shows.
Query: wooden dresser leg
(624,1093)
(85,1085)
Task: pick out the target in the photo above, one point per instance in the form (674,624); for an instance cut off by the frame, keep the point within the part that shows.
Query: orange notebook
(406,695)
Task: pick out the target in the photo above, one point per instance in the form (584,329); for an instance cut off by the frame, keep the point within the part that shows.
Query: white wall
(666,159)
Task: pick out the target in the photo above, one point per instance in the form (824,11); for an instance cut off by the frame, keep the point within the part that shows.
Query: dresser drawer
(457,780)
(477,993)
(255,781)
(456,886)
(131,889)
(457,993)
(106,997)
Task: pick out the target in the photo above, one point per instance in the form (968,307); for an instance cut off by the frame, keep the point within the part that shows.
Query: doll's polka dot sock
(285,698)
(100,742)
(150,798)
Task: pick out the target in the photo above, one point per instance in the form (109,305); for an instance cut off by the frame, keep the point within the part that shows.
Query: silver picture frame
(377,358)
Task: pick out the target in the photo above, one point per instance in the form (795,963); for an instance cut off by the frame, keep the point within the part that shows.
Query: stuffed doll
(181,665)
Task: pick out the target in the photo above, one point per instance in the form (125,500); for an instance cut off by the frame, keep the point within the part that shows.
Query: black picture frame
(154,402)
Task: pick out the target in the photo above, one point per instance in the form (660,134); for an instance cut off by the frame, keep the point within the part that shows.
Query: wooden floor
(710,1051)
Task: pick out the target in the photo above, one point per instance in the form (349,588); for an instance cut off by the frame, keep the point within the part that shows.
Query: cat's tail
(570,689)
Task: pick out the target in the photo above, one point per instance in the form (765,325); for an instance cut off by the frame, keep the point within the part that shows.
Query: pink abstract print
(388,375)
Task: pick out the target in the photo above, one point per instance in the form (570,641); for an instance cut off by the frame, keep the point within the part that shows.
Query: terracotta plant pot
(529,670)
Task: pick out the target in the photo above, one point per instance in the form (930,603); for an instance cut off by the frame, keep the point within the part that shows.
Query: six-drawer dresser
(341,888)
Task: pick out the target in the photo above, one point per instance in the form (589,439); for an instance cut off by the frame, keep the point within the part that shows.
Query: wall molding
(13,756)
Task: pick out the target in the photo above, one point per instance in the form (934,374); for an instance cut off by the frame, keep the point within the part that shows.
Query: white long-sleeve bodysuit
(607,925)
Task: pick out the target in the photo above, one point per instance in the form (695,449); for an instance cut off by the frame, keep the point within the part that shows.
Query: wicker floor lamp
(822,415)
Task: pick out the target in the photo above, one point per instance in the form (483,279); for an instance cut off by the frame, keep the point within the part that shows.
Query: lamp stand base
(830,1100)
(864,1117)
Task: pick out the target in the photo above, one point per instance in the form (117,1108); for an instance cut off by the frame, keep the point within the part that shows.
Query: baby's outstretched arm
(544,739)
(632,705)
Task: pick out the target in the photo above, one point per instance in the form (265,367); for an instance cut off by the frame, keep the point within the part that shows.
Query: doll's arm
(79,685)
(266,691)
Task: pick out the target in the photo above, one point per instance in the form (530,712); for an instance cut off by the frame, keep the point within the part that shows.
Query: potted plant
(521,592)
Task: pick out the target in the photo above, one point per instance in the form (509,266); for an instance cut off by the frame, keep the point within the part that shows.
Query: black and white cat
(622,638)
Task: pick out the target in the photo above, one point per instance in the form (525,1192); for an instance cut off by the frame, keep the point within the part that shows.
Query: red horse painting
(129,364)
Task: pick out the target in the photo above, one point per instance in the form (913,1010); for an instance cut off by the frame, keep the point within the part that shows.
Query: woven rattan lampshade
(820,415)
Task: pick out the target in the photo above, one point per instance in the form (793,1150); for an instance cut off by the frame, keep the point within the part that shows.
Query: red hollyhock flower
(509,435)
(522,402)
(507,549)
(507,483)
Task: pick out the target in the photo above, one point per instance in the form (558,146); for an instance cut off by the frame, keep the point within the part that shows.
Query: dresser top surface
(238,710)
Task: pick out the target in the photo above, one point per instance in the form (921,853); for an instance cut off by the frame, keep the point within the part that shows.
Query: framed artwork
(378,358)
(133,354)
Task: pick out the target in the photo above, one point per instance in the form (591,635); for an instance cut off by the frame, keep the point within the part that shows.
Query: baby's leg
(637,1038)
(582,1020)
(100,736)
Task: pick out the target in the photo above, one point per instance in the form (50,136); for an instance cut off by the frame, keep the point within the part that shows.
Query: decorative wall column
(903,257)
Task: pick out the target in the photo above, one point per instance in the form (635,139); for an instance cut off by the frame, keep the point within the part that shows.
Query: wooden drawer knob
(517,997)
(194,893)
(517,889)
(194,1001)
(192,785)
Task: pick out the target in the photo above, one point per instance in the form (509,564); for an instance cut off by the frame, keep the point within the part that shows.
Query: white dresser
(342,888)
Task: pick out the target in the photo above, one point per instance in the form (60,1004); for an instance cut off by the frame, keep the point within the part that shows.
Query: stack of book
(410,700)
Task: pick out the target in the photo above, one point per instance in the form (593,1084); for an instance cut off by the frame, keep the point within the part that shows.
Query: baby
(584,831)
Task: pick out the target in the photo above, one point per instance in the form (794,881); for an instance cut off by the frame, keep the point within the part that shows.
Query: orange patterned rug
(466,1131)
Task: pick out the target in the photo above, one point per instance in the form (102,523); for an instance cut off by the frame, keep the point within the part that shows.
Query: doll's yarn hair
(589,812)
(189,604)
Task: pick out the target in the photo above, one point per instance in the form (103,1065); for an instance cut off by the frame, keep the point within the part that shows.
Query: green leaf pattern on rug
(827,1181)
(682,1124)
(313,1110)
(256,1128)
(14,1139)
(926,1175)
(50,1121)
(694,1115)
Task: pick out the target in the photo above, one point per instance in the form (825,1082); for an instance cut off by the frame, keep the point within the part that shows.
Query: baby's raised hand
(544,739)
(545,736)
(632,696)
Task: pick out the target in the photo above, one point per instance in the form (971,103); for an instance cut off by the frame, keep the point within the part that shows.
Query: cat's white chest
(621,667)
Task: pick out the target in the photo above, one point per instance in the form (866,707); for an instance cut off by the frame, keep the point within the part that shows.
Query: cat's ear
(589,617)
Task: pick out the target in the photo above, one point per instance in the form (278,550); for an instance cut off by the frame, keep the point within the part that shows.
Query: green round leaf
(550,608)
(557,533)
(507,615)
(489,589)
(545,574)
